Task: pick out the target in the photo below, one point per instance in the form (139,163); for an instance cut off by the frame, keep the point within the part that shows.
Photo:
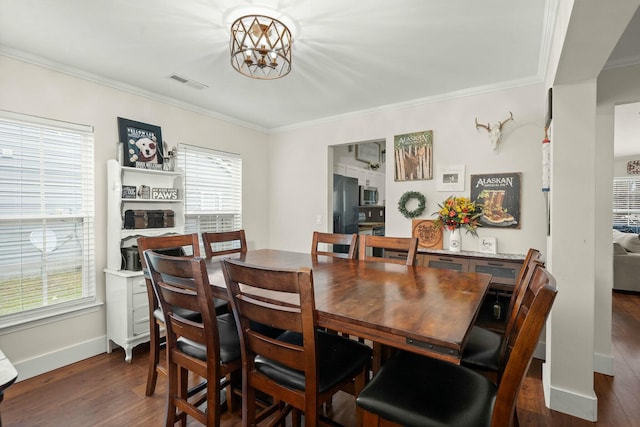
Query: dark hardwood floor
(106,391)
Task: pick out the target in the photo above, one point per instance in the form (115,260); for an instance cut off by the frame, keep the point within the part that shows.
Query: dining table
(425,310)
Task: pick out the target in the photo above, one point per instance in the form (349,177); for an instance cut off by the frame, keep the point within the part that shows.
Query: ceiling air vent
(191,83)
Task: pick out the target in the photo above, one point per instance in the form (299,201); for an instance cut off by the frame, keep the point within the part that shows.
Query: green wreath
(422,204)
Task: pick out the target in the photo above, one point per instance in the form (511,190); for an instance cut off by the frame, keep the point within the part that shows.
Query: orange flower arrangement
(456,212)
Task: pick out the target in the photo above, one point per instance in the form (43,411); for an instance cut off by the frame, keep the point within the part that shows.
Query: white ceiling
(348,56)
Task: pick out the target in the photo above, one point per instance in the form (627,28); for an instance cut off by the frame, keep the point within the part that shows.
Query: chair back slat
(212,240)
(530,320)
(279,316)
(277,350)
(406,244)
(321,240)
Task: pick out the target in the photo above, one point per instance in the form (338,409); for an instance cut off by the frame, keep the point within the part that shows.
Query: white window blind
(626,201)
(46,217)
(213,190)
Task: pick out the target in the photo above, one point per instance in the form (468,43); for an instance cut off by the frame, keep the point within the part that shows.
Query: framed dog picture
(141,144)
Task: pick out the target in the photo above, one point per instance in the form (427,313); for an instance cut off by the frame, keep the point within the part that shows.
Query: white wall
(303,153)
(38,91)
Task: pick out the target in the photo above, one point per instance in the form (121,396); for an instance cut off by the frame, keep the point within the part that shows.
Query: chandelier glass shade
(260,47)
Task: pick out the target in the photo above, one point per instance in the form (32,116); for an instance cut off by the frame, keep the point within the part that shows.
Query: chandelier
(260,47)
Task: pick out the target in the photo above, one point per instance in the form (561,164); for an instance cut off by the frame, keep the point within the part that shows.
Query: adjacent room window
(46,217)
(213,189)
(626,202)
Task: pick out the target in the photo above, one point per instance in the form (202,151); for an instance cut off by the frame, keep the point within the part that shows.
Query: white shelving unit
(126,293)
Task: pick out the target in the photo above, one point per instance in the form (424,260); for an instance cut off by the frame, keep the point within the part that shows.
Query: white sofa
(626,261)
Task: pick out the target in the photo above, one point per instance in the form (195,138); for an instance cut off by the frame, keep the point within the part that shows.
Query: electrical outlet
(318,219)
(7,152)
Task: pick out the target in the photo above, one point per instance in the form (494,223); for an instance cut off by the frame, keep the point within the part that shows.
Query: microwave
(368,195)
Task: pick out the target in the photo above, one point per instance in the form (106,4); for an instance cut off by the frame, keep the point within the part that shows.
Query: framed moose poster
(141,144)
(413,156)
(499,196)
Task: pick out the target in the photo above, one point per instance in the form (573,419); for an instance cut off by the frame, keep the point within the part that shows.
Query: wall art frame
(450,178)
(413,156)
(141,144)
(498,194)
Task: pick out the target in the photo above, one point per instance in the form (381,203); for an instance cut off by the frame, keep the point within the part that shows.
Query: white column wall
(568,371)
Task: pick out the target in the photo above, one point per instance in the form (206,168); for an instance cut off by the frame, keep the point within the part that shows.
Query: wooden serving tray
(428,236)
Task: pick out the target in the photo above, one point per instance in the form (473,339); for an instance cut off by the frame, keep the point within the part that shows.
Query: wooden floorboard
(106,391)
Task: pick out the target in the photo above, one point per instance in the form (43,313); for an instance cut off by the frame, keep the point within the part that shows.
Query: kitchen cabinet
(504,270)
(126,294)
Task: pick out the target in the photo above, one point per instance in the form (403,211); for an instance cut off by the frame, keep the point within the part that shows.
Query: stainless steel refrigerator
(345,207)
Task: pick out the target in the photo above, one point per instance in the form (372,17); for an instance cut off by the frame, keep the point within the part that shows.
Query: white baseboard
(568,402)
(59,358)
(603,363)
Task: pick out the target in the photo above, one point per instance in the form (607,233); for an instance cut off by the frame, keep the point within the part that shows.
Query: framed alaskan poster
(498,195)
(141,144)
(413,156)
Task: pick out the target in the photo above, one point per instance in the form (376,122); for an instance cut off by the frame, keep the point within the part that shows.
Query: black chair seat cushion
(338,359)
(229,342)
(482,350)
(418,391)
(266,330)
(222,306)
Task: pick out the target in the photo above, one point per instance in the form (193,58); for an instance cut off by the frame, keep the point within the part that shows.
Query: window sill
(20,323)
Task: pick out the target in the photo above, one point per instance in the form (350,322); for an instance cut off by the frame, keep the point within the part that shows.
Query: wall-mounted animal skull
(495,131)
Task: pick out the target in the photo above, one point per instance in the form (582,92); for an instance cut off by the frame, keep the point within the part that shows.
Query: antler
(480,125)
(506,120)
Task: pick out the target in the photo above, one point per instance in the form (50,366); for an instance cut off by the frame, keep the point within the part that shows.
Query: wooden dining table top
(420,309)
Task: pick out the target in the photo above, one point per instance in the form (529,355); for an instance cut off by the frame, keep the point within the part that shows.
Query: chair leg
(213,404)
(183,391)
(171,395)
(154,357)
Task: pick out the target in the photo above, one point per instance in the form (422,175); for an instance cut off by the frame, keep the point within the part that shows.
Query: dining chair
(485,349)
(414,390)
(208,348)
(403,244)
(348,240)
(408,244)
(177,245)
(302,367)
(222,243)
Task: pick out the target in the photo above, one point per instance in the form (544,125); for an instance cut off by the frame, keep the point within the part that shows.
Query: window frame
(213,191)
(49,215)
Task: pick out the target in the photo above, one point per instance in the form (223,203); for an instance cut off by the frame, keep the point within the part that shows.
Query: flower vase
(455,243)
